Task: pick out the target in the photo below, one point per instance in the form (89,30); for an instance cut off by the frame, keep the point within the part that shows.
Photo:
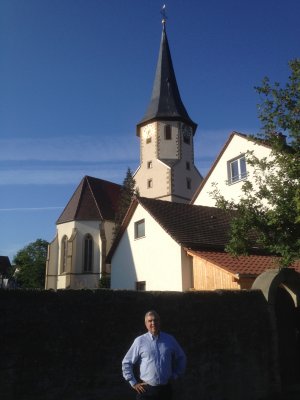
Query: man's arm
(128,362)
(179,365)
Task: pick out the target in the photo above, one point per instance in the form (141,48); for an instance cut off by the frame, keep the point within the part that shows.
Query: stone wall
(69,344)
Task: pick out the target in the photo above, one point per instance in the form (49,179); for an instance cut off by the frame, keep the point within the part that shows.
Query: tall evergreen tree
(270,208)
(127,193)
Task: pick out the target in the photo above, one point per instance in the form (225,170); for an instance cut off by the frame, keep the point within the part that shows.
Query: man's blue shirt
(160,358)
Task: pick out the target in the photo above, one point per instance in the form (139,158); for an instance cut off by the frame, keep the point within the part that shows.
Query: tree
(268,213)
(127,193)
(31,264)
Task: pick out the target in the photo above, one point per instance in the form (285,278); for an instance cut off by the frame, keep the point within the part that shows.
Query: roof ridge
(80,196)
(72,197)
(94,198)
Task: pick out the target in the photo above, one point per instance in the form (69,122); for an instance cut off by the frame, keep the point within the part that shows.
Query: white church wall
(153,178)
(79,278)
(181,176)
(237,147)
(154,259)
(52,265)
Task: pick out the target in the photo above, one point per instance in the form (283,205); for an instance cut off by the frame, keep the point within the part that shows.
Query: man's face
(152,323)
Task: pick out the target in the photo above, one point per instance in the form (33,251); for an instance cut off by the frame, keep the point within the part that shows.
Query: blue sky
(76,77)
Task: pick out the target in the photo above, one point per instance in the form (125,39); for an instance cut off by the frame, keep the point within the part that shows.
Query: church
(77,255)
(172,236)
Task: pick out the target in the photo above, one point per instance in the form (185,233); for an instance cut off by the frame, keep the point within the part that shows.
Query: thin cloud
(64,161)
(52,174)
(31,208)
(79,148)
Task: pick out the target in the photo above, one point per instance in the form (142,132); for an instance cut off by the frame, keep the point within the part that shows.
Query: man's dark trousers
(161,392)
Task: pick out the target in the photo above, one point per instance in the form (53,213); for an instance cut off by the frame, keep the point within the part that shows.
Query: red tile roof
(252,265)
(94,199)
(193,227)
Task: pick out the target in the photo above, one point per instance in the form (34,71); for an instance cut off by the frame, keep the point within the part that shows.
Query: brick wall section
(69,344)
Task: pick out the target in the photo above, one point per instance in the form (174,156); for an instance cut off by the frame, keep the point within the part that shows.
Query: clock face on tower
(148,131)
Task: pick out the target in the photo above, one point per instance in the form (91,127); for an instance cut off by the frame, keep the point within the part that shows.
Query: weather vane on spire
(163,14)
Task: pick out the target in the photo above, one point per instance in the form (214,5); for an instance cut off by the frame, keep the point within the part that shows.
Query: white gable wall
(155,258)
(237,147)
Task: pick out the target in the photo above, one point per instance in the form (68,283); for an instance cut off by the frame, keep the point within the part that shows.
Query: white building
(174,246)
(230,169)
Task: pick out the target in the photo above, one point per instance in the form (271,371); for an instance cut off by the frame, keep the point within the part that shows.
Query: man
(160,360)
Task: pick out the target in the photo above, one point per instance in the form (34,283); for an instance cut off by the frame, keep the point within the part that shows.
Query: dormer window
(237,170)
(168,132)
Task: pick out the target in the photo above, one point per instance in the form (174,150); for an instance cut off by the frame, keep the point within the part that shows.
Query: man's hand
(139,387)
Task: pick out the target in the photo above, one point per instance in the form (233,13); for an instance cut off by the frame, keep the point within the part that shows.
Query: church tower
(166,133)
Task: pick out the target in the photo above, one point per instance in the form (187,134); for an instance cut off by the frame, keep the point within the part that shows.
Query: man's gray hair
(152,312)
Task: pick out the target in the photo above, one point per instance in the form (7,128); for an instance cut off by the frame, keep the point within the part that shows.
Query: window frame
(64,254)
(88,253)
(137,225)
(168,132)
(241,169)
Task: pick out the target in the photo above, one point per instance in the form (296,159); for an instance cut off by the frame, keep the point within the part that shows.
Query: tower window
(188,165)
(149,183)
(188,183)
(168,132)
(139,229)
(88,253)
(149,164)
(187,139)
(148,139)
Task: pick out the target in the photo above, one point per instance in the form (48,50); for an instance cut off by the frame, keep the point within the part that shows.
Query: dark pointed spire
(165,103)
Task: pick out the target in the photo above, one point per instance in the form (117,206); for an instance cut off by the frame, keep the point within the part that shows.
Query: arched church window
(168,132)
(64,253)
(88,253)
